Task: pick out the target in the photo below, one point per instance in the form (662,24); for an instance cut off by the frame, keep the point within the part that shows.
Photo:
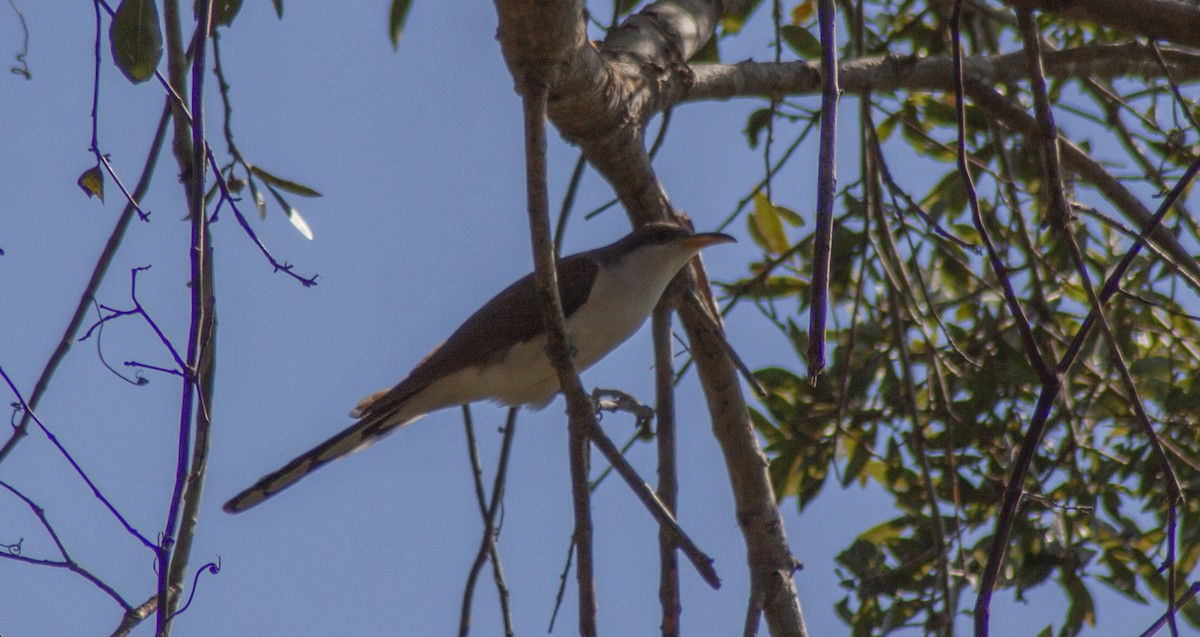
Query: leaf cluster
(931,390)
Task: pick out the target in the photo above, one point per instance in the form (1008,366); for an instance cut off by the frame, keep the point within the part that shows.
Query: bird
(498,354)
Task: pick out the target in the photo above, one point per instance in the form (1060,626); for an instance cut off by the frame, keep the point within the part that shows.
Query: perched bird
(498,354)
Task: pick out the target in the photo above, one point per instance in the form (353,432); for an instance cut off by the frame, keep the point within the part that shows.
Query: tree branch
(1155,19)
(668,478)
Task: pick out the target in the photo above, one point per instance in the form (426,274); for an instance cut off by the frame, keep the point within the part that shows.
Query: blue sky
(419,156)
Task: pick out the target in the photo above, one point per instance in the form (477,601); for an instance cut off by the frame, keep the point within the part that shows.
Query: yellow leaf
(803,12)
(92,183)
(769,226)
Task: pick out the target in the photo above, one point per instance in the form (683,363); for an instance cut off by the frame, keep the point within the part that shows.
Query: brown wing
(475,341)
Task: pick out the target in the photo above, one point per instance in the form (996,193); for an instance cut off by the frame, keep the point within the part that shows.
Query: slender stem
(75,465)
(190,153)
(579,405)
(487,544)
(67,561)
(668,481)
(89,291)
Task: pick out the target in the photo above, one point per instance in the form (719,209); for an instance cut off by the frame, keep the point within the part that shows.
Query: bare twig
(1060,215)
(67,562)
(101,158)
(89,291)
(668,480)
(211,567)
(75,465)
(1187,597)
(488,509)
(135,616)
(22,67)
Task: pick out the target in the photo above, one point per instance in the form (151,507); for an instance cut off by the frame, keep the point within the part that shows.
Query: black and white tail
(358,436)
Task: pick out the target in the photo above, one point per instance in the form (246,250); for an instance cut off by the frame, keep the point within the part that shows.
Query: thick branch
(890,73)
(769,558)
(1169,20)
(600,99)
(981,75)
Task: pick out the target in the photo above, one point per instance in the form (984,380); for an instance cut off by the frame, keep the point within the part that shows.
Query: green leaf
(278,8)
(223,11)
(260,202)
(396,18)
(1152,366)
(136,39)
(801,41)
(293,215)
(736,14)
(886,127)
(770,228)
(284,184)
(625,6)
(92,183)
(860,454)
(789,216)
(757,121)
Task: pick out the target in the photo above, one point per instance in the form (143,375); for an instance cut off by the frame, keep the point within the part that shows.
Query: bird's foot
(617,400)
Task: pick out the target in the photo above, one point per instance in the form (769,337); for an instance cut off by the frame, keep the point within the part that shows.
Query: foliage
(930,391)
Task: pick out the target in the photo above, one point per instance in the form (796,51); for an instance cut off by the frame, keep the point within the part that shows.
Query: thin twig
(89,291)
(1187,597)
(481,500)
(668,479)
(1060,215)
(488,509)
(666,521)
(101,158)
(1050,390)
(211,567)
(75,465)
(136,616)
(568,203)
(67,562)
(1181,103)
(23,68)
(579,407)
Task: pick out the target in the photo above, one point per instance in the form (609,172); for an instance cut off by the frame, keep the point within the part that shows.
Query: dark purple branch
(67,562)
(826,190)
(1060,213)
(201,301)
(211,567)
(89,292)
(79,470)
(284,267)
(1187,597)
(173,372)
(278,266)
(139,310)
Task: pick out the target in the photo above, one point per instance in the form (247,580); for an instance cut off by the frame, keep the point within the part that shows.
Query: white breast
(623,295)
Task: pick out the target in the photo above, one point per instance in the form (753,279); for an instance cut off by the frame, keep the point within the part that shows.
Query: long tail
(355,437)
